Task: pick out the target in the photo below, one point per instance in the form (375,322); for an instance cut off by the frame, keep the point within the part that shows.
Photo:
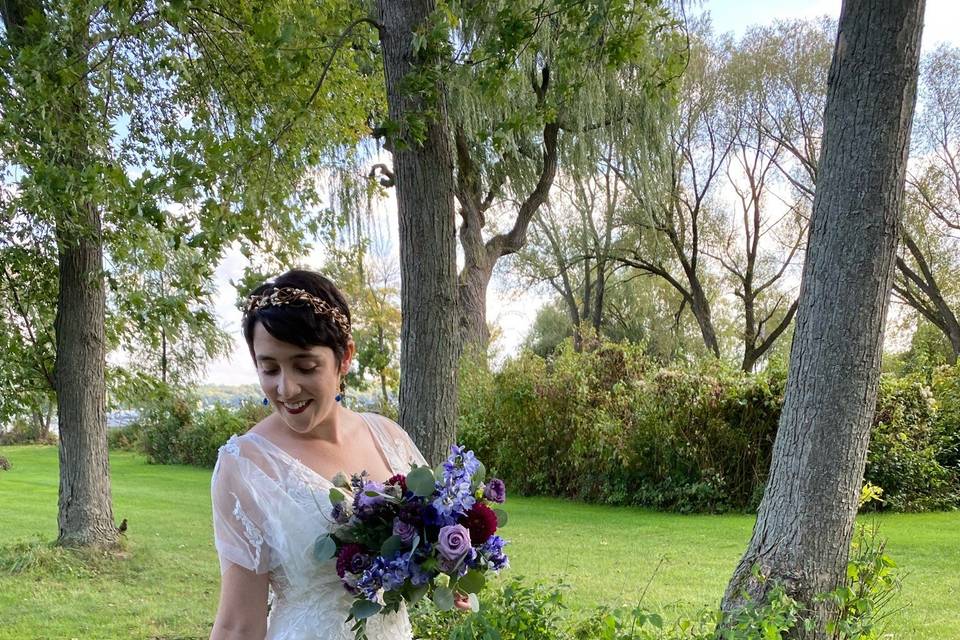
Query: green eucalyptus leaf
(443,598)
(471,582)
(416,593)
(480,475)
(324,548)
(421,482)
(501,517)
(363,609)
(390,546)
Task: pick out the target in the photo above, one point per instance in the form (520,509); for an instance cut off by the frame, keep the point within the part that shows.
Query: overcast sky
(514,311)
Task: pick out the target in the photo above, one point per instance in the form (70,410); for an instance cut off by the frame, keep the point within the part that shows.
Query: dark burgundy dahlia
(400,480)
(481,521)
(353,558)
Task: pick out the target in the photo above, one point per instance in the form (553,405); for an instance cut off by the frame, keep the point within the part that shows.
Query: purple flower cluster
(492,552)
(410,539)
(456,495)
(384,573)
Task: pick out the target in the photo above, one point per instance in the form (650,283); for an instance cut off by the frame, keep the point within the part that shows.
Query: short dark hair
(298,323)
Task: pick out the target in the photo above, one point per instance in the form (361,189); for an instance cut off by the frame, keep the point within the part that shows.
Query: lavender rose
(362,500)
(454,542)
(495,491)
(405,530)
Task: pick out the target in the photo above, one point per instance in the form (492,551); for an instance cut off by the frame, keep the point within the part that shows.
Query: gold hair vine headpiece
(290,295)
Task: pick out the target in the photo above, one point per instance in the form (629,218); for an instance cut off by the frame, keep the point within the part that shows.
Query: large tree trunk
(805,521)
(85,516)
(481,257)
(85,512)
(428,269)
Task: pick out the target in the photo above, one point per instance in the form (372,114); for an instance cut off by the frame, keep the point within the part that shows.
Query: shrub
(514,611)
(946,389)
(610,426)
(127,438)
(171,432)
(197,443)
(906,446)
(4,464)
(160,425)
(26,431)
(519,611)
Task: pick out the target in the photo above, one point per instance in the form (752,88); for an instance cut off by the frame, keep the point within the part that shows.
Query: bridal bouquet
(428,533)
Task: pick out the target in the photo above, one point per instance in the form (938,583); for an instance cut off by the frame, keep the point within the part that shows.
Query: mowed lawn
(166,584)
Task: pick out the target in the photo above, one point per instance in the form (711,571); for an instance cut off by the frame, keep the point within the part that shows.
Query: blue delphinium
(492,550)
(397,571)
(456,497)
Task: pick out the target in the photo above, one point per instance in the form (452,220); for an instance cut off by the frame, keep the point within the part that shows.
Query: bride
(270,486)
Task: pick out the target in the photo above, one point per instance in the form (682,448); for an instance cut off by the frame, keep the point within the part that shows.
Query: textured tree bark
(805,521)
(474,282)
(85,515)
(428,270)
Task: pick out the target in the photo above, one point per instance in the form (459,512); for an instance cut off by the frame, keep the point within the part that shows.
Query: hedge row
(173,431)
(610,426)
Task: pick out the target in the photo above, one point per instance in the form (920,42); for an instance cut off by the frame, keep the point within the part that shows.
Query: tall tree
(85,514)
(784,66)
(760,242)
(423,170)
(571,245)
(137,125)
(539,88)
(928,266)
(164,319)
(672,214)
(369,277)
(805,522)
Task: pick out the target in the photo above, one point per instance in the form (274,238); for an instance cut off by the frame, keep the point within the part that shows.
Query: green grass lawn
(166,587)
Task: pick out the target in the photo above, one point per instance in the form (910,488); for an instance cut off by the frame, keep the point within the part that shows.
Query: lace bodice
(269,508)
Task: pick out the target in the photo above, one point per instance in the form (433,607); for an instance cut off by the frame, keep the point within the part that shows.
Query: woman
(270,485)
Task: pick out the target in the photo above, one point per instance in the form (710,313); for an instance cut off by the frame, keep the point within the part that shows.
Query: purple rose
(365,506)
(454,542)
(405,530)
(495,491)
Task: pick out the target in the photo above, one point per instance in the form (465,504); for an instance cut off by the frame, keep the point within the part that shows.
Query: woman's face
(301,383)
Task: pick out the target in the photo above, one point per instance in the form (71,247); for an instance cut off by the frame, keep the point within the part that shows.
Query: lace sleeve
(238,518)
(401,450)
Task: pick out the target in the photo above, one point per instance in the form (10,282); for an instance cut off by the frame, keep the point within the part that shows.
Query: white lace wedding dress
(269,509)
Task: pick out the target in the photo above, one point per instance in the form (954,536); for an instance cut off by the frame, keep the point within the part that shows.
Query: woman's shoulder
(404,451)
(386,425)
(251,447)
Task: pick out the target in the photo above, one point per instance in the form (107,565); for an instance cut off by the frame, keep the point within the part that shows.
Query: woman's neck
(334,429)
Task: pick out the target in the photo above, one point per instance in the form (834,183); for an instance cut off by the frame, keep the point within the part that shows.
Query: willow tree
(132,134)
(538,88)
(480,97)
(672,191)
(928,268)
(802,536)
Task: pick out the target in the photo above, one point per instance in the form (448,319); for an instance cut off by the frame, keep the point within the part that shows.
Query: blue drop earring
(338,398)
(265,402)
